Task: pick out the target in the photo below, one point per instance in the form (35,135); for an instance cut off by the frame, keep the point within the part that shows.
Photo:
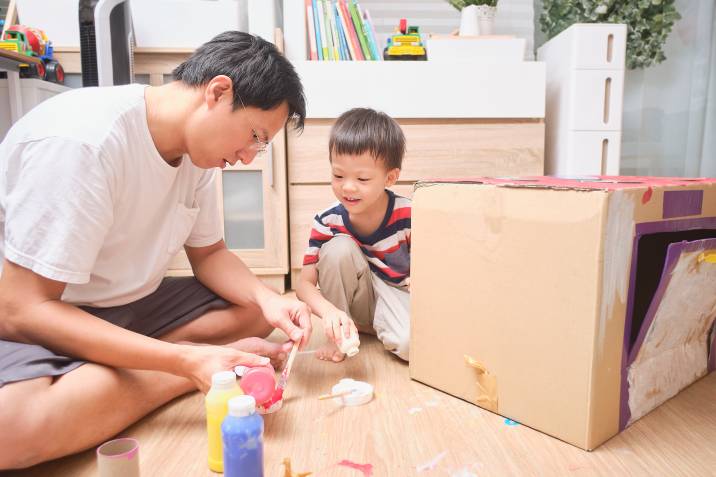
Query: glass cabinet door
(254,211)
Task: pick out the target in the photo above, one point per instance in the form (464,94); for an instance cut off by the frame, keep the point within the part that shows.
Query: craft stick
(287,370)
(331,396)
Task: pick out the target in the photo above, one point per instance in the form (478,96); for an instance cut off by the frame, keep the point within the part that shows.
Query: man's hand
(200,362)
(338,326)
(290,315)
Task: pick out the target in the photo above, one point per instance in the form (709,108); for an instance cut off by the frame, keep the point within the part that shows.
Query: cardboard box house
(572,306)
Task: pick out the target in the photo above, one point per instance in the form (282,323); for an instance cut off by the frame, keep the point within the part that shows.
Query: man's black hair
(262,77)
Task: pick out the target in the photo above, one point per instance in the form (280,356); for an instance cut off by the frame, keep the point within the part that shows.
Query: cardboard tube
(118,458)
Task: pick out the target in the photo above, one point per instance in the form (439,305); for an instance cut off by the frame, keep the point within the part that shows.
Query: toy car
(406,44)
(33,42)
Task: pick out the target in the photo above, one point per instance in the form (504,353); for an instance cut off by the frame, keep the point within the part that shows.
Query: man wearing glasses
(99,189)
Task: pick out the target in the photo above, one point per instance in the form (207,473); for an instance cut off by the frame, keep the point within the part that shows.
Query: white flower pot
(469,21)
(485,18)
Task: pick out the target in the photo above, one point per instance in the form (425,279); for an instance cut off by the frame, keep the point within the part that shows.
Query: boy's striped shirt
(387,249)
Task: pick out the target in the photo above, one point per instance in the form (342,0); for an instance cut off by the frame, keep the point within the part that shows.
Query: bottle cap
(259,382)
(223,380)
(349,346)
(241,406)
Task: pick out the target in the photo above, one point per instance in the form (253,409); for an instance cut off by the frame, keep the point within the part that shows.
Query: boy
(359,250)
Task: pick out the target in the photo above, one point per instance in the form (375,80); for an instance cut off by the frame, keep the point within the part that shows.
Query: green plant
(460,4)
(649,23)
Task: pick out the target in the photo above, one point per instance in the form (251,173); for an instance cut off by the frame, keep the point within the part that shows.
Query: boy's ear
(392,178)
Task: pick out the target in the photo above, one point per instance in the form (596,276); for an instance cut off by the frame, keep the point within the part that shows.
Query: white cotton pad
(360,392)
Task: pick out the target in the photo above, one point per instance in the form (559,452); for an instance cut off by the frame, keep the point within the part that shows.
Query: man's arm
(31,312)
(226,275)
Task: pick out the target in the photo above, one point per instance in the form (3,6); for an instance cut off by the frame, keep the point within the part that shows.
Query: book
(313,53)
(345,55)
(321,21)
(372,41)
(358,23)
(334,31)
(352,37)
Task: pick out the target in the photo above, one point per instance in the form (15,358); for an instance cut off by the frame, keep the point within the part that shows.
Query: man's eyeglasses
(260,146)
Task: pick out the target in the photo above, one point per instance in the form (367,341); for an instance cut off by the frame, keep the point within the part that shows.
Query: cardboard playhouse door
(675,343)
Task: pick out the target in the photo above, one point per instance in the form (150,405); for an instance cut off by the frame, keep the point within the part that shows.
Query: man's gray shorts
(177,301)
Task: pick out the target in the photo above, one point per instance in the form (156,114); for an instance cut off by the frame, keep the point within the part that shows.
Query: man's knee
(25,440)
(249,320)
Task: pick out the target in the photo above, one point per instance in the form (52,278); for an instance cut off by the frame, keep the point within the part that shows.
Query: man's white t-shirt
(86,199)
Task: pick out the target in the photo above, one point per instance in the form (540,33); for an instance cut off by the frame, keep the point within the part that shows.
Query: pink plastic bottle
(259,382)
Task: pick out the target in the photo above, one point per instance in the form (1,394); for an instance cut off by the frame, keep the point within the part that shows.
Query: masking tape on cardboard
(487,385)
(708,256)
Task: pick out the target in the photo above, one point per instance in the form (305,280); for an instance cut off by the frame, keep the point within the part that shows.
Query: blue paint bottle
(242,433)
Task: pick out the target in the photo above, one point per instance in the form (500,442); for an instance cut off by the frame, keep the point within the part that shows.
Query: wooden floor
(410,426)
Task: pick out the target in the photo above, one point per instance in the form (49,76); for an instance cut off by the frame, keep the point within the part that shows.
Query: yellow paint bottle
(223,388)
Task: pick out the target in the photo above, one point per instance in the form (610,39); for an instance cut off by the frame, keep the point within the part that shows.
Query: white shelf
(421,89)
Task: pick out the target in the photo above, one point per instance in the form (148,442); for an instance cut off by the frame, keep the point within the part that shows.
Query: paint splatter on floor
(510,422)
(433,463)
(414,410)
(432,403)
(367,469)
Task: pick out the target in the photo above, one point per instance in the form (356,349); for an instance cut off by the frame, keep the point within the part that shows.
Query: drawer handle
(607,92)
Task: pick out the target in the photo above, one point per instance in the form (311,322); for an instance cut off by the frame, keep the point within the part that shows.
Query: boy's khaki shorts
(346,280)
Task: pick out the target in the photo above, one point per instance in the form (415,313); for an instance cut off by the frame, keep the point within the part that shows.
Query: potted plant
(648,22)
(476,16)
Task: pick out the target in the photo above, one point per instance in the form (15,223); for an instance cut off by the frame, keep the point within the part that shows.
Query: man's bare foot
(277,352)
(330,352)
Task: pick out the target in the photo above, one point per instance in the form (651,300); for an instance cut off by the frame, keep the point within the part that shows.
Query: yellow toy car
(405,45)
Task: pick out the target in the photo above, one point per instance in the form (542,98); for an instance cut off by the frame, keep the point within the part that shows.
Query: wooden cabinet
(255,215)
(434,148)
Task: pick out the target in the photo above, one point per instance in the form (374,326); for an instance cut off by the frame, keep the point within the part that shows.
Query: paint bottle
(260,383)
(243,436)
(223,388)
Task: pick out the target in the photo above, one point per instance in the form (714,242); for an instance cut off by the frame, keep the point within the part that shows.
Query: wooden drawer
(435,148)
(304,202)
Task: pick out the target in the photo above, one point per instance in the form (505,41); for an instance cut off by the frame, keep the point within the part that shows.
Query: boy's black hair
(361,130)
(262,77)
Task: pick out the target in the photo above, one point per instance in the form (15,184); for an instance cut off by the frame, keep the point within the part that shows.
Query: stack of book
(339,30)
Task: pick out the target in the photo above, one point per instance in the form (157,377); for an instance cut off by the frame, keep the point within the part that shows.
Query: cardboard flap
(671,350)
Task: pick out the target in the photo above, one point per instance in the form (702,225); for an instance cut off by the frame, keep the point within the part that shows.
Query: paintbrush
(283,380)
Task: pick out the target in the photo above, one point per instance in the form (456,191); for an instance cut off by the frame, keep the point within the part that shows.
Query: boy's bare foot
(330,352)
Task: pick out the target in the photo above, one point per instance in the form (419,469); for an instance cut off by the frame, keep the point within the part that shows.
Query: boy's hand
(338,326)
(292,316)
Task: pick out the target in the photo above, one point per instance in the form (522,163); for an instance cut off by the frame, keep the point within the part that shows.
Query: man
(99,189)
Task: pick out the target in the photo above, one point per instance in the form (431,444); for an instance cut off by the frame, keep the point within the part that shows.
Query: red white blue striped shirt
(387,249)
